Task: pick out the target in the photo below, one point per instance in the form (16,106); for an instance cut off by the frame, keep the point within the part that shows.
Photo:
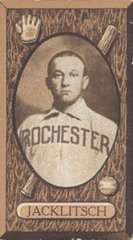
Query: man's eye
(74,74)
(58,75)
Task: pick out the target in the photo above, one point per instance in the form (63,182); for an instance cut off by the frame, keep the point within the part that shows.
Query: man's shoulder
(102,122)
(33,119)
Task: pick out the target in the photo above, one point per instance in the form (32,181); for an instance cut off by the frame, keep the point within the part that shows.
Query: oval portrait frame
(15,97)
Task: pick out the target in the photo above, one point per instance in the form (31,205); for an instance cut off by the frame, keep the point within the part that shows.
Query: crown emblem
(28,28)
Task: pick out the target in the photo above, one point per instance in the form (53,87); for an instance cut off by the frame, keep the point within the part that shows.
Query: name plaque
(66,210)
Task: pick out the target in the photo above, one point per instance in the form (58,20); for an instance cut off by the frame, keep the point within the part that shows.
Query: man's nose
(65,80)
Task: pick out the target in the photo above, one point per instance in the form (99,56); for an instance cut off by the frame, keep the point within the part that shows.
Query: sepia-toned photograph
(66,110)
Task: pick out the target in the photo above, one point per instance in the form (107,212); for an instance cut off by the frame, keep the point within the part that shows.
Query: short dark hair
(65,54)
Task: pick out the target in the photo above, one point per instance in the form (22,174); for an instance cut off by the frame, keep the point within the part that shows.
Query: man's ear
(86,81)
(47,82)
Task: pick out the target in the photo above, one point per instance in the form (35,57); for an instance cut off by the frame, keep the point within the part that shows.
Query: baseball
(108,186)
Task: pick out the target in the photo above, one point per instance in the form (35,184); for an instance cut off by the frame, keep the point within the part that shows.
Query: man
(69,144)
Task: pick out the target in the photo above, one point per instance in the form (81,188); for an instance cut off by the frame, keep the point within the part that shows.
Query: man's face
(67,80)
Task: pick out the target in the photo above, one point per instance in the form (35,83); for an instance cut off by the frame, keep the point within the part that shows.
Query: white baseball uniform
(67,148)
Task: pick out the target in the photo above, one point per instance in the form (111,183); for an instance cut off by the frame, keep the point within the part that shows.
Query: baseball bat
(29,188)
(104,45)
(107,39)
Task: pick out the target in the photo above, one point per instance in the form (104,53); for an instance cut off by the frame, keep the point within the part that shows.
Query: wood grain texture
(2,118)
(92,24)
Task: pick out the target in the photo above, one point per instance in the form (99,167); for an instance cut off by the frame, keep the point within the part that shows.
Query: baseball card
(66,120)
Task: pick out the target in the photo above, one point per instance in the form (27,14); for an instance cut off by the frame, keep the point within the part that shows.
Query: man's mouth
(63,92)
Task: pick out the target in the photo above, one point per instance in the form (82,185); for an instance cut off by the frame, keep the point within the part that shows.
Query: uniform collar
(78,110)
(51,113)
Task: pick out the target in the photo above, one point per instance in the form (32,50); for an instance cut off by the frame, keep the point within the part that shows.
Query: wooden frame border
(65,4)
(16,4)
(2,119)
